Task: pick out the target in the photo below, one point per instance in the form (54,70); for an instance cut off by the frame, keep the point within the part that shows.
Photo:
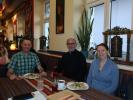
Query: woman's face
(1,47)
(102,52)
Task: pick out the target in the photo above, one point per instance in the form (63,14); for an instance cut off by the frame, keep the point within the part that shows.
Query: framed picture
(28,9)
(60,5)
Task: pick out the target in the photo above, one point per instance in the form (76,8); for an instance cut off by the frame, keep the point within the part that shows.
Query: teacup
(61,85)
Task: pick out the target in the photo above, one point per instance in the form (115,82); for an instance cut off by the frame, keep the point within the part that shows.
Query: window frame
(46,19)
(107,17)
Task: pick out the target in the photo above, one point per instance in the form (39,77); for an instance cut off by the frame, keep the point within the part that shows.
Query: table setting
(49,88)
(55,87)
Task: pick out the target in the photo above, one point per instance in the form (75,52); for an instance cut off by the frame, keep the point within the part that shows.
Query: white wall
(38,22)
(72,14)
(9,30)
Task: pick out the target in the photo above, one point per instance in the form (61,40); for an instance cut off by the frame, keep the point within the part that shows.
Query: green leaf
(85,29)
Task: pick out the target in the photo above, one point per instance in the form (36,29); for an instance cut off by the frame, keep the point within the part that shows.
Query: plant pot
(85,53)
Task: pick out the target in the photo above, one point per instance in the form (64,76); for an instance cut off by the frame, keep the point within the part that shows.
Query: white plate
(31,76)
(77,86)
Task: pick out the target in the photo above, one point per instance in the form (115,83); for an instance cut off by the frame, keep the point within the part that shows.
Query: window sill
(120,66)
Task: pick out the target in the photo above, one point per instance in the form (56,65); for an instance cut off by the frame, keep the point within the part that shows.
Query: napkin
(63,94)
(38,96)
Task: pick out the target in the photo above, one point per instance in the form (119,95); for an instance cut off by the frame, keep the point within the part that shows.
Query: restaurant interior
(39,20)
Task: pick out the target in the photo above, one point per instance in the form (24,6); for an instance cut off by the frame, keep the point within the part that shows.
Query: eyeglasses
(70,43)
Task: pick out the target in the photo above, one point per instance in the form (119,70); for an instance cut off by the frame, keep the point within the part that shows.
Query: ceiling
(10,8)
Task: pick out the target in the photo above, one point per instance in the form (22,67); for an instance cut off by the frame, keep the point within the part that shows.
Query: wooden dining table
(10,88)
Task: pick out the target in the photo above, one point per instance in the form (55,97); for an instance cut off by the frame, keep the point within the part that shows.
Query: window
(47,9)
(46,21)
(121,16)
(98,26)
(108,15)
(121,13)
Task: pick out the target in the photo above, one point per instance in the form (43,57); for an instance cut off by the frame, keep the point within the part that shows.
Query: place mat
(63,95)
(38,96)
(48,86)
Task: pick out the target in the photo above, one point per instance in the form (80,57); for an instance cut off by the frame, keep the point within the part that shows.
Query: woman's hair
(4,51)
(104,45)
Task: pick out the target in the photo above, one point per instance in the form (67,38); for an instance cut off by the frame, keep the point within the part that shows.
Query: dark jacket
(73,65)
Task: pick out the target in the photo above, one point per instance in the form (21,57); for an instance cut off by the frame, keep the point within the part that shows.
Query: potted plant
(84,31)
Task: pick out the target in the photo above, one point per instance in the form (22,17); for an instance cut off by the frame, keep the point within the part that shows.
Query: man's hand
(13,77)
(43,73)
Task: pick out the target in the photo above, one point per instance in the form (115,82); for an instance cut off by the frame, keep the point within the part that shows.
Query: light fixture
(14,19)
(13,46)
(0,9)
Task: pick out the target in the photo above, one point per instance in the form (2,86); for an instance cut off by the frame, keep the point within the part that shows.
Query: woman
(103,74)
(3,60)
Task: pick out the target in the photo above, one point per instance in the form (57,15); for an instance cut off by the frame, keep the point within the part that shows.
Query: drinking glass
(40,84)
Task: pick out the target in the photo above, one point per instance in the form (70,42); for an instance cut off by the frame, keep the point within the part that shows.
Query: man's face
(71,45)
(26,45)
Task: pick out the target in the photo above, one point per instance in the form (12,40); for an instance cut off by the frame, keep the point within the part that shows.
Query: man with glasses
(72,63)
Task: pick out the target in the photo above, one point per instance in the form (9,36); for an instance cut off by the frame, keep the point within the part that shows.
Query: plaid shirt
(22,64)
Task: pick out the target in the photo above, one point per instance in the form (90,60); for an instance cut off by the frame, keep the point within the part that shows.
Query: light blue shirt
(105,80)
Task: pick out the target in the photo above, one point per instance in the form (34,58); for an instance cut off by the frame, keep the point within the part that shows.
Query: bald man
(72,63)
